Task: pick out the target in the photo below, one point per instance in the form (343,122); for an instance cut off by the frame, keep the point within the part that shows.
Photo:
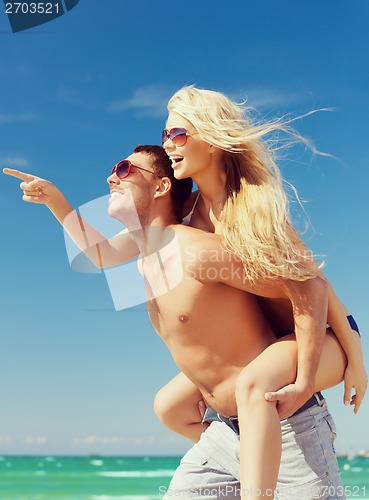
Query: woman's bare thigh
(276,366)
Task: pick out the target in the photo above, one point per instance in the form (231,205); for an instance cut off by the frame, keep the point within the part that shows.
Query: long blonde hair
(255,222)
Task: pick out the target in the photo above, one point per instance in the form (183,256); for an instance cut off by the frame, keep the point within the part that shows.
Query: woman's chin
(180,174)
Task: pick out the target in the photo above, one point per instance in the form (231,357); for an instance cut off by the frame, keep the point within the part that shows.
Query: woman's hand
(355,377)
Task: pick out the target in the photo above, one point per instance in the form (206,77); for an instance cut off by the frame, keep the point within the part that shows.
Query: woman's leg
(177,406)
(260,434)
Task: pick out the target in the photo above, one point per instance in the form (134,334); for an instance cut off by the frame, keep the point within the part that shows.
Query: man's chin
(115,213)
(128,217)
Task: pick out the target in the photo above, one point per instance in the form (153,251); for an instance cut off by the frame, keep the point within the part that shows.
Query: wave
(139,473)
(127,497)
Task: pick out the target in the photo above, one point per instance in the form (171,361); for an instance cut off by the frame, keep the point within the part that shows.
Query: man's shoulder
(198,237)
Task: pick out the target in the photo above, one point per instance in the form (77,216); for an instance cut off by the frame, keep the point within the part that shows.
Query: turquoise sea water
(118,478)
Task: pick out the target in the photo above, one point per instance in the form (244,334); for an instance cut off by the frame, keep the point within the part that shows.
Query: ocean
(119,478)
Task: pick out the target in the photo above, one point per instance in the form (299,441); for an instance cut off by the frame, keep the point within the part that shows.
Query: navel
(183,318)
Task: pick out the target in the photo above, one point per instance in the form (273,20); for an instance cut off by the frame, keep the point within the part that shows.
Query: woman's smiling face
(191,158)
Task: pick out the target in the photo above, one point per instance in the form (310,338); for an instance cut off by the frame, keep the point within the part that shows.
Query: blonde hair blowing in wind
(255,222)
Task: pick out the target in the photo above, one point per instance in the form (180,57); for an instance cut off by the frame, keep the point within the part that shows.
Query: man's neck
(155,234)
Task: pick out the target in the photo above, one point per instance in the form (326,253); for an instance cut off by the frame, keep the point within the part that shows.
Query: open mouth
(115,194)
(176,159)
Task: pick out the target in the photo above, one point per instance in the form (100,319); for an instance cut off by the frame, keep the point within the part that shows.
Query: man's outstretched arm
(101,251)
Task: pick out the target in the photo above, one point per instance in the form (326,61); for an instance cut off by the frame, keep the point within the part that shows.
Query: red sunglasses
(177,135)
(123,169)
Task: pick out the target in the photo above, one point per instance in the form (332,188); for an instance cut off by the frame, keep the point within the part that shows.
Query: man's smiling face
(131,197)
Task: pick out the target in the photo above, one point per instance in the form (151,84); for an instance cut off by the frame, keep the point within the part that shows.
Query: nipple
(183,318)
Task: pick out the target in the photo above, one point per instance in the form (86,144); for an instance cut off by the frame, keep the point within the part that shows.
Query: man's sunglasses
(177,135)
(123,169)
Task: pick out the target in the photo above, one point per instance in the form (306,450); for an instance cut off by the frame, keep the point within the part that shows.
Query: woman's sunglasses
(177,135)
(123,169)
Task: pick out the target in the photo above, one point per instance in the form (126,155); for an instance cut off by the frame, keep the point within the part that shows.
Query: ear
(163,187)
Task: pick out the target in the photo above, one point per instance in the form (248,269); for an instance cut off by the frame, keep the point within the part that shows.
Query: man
(211,329)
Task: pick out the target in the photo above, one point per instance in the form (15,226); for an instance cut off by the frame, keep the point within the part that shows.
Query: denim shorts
(309,468)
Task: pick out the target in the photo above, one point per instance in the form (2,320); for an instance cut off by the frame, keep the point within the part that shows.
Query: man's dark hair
(181,189)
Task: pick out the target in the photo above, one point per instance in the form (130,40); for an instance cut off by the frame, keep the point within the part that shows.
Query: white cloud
(92,439)
(13,161)
(95,440)
(150,100)
(175,438)
(78,97)
(36,440)
(70,96)
(16,118)
(142,440)
(261,98)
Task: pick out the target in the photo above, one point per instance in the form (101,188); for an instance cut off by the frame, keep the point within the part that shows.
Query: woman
(241,197)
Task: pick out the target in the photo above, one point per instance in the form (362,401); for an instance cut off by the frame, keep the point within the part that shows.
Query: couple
(238,288)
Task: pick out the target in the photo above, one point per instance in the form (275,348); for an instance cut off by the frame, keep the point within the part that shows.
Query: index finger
(18,174)
(357,404)
(358,399)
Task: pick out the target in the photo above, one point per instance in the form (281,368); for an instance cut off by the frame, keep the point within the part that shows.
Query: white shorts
(309,468)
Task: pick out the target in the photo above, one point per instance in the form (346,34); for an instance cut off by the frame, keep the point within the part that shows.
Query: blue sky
(77,94)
